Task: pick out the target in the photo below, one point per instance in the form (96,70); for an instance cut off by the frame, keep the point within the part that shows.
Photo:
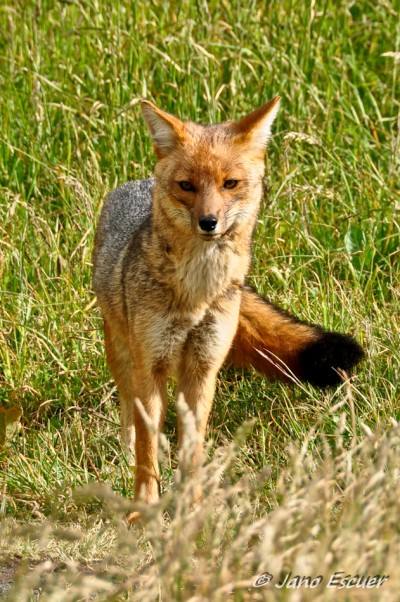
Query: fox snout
(208,223)
(208,212)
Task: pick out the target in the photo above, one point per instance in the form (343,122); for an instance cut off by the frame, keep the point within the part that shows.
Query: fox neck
(198,271)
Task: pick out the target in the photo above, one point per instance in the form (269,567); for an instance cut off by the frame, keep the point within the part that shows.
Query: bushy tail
(279,345)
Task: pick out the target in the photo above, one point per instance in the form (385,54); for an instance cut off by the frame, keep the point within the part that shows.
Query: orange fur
(170,262)
(264,328)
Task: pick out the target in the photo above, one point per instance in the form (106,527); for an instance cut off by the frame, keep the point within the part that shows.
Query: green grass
(326,248)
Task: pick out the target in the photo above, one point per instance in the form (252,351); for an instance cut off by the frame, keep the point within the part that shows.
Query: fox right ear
(165,129)
(256,127)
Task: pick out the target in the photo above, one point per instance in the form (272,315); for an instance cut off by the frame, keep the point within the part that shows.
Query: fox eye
(186,186)
(229,184)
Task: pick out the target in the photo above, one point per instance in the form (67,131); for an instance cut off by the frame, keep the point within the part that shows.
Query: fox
(170,264)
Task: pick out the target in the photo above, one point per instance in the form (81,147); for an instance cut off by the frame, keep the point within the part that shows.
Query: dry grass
(313,486)
(335,510)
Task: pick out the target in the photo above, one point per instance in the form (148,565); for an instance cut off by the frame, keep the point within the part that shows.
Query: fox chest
(205,336)
(204,274)
(165,339)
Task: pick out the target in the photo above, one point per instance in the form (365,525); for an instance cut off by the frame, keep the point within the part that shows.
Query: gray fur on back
(125,211)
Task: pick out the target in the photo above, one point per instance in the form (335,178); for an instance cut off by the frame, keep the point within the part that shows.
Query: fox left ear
(165,129)
(256,127)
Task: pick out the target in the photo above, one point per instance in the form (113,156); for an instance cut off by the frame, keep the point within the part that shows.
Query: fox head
(209,178)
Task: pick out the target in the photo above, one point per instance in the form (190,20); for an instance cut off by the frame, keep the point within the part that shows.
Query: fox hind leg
(120,364)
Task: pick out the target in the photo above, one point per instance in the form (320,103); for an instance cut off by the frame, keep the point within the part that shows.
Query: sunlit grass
(326,247)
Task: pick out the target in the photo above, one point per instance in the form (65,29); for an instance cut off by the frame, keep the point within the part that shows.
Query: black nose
(208,223)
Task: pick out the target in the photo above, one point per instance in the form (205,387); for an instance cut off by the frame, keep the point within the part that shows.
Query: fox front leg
(149,387)
(203,355)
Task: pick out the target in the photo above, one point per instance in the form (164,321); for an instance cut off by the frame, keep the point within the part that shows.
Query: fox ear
(165,129)
(256,127)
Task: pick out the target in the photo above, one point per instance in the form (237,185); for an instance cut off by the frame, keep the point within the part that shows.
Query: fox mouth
(210,236)
(213,236)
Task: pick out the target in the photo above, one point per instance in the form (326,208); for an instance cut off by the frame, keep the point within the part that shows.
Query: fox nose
(208,223)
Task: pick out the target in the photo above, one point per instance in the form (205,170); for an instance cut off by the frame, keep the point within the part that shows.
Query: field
(297,480)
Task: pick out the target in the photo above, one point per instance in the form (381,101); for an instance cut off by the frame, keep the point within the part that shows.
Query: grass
(313,486)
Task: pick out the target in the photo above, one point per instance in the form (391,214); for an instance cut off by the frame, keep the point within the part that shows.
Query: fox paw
(321,359)
(133,517)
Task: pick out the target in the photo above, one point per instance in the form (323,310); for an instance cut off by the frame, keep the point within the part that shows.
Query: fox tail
(282,347)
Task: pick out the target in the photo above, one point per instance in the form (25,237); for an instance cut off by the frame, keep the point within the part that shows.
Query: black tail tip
(321,359)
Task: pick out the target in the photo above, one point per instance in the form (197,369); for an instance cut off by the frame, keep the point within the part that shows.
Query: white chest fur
(204,272)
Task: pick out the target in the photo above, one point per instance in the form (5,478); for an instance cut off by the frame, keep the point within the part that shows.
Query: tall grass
(326,248)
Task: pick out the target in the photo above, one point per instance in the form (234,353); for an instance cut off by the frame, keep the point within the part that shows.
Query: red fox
(170,263)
